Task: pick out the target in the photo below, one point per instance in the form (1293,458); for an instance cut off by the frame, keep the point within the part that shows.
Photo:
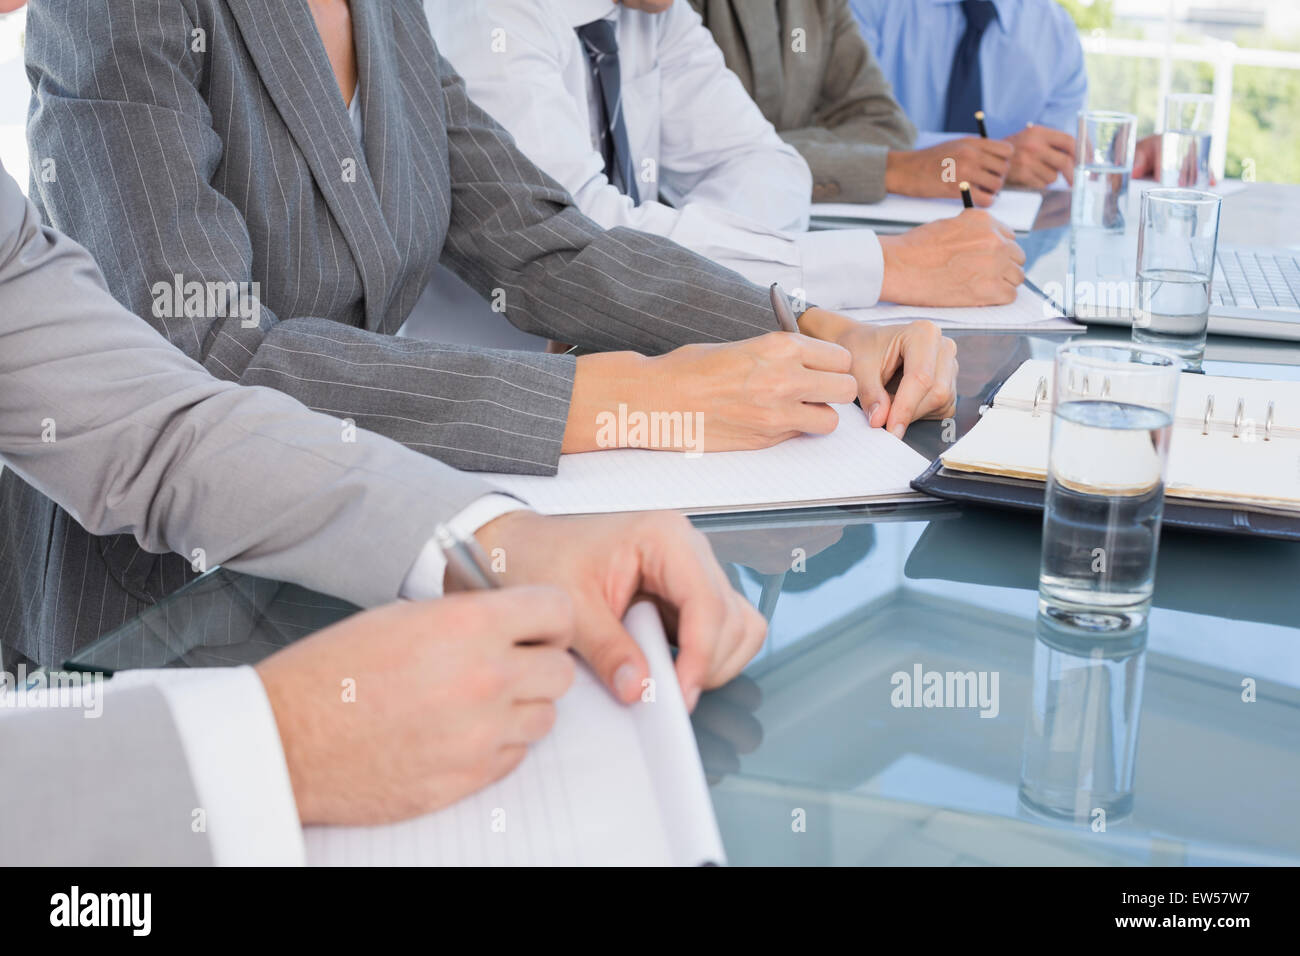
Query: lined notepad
(1030,312)
(1234,456)
(1014,208)
(855,463)
(611,785)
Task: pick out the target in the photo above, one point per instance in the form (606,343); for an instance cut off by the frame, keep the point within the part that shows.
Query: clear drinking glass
(1098,214)
(1103,167)
(1185,142)
(1113,408)
(1178,236)
(1079,756)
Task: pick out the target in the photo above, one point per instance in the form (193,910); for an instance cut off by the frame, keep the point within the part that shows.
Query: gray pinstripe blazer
(207,139)
(180,460)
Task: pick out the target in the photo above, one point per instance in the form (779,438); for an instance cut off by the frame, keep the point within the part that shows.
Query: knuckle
(786,389)
(824,422)
(470,612)
(782,345)
(567,670)
(841,357)
(502,763)
(766,421)
(927,329)
(923,380)
(488,681)
(672,524)
(540,720)
(559,604)
(481,742)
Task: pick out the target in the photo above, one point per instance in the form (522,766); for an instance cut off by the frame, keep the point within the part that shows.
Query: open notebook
(1031,312)
(1016,209)
(1244,452)
(853,464)
(611,785)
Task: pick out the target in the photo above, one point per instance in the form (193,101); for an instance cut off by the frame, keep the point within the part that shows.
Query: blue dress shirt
(1030,59)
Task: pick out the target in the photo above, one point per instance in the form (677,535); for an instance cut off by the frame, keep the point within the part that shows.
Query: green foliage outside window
(1265,124)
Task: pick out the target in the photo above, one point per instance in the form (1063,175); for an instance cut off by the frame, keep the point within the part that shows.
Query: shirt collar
(578,12)
(1005,10)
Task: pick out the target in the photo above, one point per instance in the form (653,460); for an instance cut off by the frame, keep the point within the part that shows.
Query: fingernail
(898,430)
(625,683)
(871,413)
(692,698)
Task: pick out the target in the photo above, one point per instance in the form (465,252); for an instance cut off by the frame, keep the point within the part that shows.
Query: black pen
(979,121)
(966,199)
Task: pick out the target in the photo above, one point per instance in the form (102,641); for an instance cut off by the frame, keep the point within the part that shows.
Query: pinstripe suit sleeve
(118,108)
(101,414)
(514,228)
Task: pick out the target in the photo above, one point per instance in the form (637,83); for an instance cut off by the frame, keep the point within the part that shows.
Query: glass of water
(1113,411)
(1099,213)
(1178,237)
(1185,142)
(1103,167)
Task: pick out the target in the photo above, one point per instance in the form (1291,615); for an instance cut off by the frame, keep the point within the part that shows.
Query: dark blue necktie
(965,85)
(601,43)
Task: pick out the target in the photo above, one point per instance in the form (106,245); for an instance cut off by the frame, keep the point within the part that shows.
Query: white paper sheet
(1014,208)
(853,463)
(1030,312)
(610,785)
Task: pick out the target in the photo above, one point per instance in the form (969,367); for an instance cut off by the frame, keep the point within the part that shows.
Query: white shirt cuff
(842,268)
(424,580)
(236,762)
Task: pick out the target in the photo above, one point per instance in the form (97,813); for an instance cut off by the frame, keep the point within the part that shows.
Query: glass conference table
(1179,745)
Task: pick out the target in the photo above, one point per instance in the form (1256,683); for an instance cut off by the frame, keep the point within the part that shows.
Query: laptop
(1256,292)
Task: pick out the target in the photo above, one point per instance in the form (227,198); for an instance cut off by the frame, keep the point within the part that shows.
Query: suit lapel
(763,39)
(282,39)
(387,149)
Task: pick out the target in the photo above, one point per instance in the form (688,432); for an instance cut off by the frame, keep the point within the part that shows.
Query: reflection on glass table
(1180,745)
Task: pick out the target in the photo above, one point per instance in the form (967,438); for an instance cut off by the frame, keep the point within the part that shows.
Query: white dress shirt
(740,195)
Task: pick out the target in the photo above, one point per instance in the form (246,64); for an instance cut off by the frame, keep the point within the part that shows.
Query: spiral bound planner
(1234,457)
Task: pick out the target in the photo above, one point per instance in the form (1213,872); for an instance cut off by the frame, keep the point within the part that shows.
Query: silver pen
(781,306)
(785,317)
(465,559)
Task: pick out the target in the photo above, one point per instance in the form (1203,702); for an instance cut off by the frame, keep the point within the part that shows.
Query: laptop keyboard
(1245,278)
